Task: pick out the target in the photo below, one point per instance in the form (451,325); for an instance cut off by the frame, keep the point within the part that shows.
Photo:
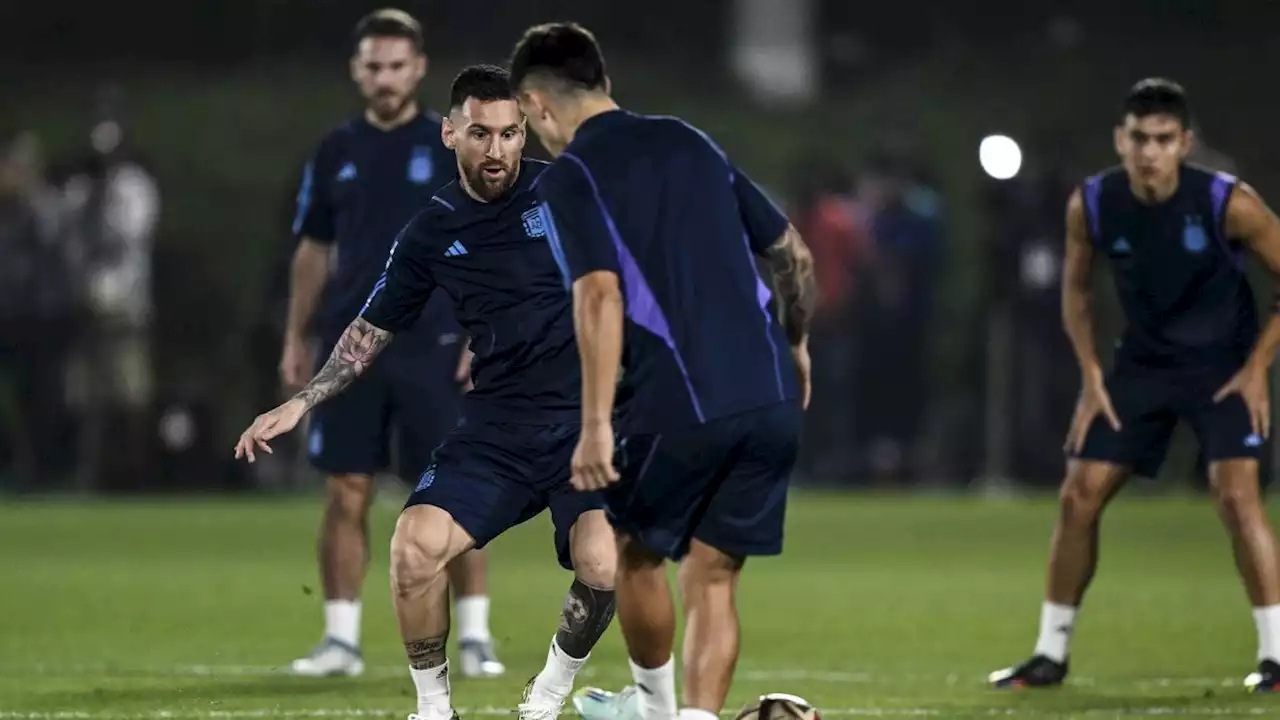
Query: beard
(387,105)
(490,179)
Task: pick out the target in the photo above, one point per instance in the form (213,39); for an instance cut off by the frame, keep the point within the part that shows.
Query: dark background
(940,364)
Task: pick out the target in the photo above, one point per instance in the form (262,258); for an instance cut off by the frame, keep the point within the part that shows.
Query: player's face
(543,121)
(488,138)
(1152,147)
(388,70)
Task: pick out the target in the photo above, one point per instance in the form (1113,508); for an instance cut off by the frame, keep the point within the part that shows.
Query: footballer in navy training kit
(483,241)
(651,222)
(1175,236)
(366,180)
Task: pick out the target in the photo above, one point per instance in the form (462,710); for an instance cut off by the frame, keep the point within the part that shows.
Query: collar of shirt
(597,124)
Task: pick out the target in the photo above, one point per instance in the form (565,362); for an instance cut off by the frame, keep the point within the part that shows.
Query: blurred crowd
(75,309)
(81,405)
(877,236)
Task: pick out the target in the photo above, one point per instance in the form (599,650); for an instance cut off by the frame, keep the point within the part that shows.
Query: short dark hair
(1158,96)
(563,52)
(485,83)
(389,22)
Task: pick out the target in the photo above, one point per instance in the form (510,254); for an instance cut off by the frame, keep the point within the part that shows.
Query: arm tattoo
(794,282)
(426,653)
(355,350)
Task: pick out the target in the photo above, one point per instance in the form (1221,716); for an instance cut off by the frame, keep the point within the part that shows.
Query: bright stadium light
(1000,156)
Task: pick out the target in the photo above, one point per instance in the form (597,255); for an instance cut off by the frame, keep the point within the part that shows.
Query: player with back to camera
(653,223)
(1175,236)
(483,240)
(364,182)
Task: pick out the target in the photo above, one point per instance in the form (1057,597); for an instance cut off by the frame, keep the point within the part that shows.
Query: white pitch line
(496,711)
(609,671)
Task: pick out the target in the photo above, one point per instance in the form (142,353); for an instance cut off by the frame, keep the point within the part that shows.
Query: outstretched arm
(355,351)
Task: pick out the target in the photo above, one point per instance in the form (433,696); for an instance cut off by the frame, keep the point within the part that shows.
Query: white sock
(1056,624)
(342,621)
(1268,621)
(433,691)
(692,714)
(657,690)
(472,613)
(555,682)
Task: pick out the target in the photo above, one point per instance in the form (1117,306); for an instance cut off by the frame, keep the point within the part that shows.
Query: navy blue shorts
(493,476)
(409,404)
(1149,405)
(724,483)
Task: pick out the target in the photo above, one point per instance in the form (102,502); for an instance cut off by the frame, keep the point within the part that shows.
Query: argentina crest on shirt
(421,166)
(1194,237)
(533,224)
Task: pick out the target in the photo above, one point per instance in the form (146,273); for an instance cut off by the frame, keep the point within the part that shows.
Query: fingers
(1075,438)
(244,448)
(264,428)
(592,476)
(1110,412)
(1224,391)
(1257,418)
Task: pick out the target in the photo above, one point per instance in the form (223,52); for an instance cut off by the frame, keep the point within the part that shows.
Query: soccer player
(654,224)
(483,240)
(1176,237)
(366,180)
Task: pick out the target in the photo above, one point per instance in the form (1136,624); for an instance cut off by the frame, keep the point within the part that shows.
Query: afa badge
(534,226)
(426,479)
(421,166)
(1194,237)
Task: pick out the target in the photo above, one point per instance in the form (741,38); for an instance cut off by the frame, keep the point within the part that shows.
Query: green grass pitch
(881,606)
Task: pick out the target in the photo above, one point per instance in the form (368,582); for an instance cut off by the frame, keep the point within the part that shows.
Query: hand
(1251,385)
(297,364)
(593,458)
(803,370)
(462,375)
(269,425)
(1094,401)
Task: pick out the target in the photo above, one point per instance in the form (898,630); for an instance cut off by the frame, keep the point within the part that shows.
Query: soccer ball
(780,706)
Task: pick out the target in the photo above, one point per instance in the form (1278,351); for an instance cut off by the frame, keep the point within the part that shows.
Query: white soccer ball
(780,706)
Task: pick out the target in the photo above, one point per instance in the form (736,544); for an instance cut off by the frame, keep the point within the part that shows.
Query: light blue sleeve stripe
(382,281)
(304,197)
(553,241)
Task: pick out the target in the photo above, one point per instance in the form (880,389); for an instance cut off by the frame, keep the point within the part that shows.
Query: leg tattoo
(426,653)
(586,615)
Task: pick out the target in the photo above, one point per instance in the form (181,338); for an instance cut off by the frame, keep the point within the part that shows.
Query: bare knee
(349,496)
(706,568)
(1234,484)
(594,550)
(1086,490)
(421,548)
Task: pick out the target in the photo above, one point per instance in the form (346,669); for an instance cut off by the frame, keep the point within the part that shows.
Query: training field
(882,606)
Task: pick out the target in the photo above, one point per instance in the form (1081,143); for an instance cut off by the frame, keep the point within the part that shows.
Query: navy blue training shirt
(655,201)
(361,186)
(1181,281)
(492,260)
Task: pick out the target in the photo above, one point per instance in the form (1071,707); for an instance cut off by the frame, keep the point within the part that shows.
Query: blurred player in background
(1176,237)
(366,180)
(651,221)
(483,240)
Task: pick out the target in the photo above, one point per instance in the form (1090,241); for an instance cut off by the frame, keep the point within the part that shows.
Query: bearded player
(366,180)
